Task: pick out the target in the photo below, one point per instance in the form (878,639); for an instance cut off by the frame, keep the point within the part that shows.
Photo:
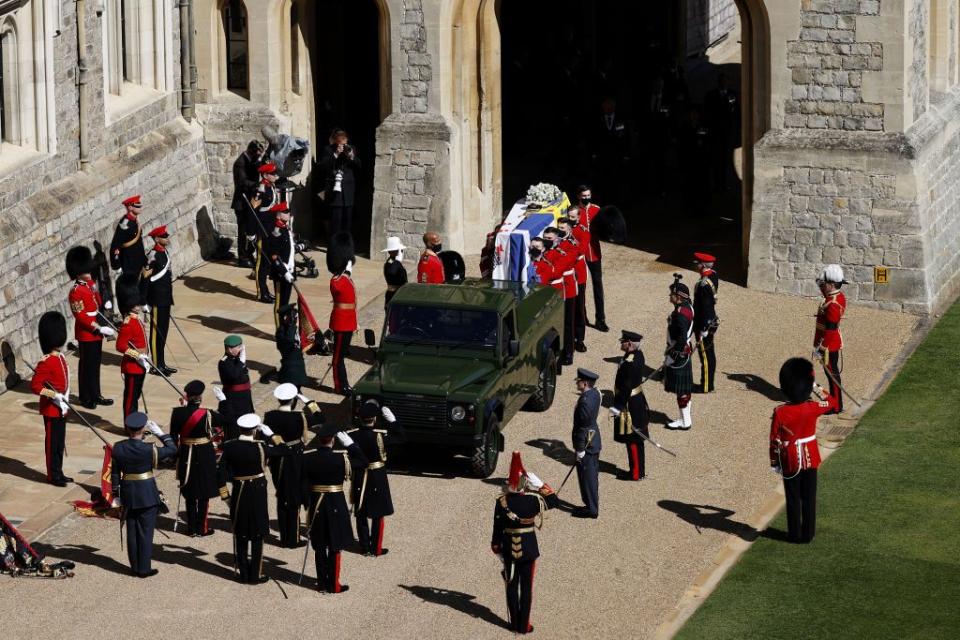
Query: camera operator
(246,177)
(338,162)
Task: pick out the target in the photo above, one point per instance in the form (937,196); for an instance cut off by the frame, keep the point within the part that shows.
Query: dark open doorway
(346,63)
(610,94)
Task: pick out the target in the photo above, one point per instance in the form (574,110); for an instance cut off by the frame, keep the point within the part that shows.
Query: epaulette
(223,358)
(43,357)
(352,430)
(383,431)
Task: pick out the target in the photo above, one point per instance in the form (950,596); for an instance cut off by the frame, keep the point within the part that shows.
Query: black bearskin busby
(52,331)
(454,268)
(609,225)
(127,297)
(339,252)
(796,379)
(79,260)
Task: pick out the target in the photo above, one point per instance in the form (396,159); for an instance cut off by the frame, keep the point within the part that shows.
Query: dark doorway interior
(346,63)
(603,92)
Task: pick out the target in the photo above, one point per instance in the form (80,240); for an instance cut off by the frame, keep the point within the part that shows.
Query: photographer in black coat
(338,164)
(246,177)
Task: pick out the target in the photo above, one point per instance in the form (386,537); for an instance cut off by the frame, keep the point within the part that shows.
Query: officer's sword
(649,439)
(574,465)
(826,370)
(266,235)
(180,331)
(70,406)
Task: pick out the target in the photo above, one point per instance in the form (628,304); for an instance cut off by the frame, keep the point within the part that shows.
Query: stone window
(26,83)
(295,84)
(137,52)
(236,47)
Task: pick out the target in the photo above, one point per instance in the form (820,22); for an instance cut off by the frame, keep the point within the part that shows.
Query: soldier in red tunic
(577,239)
(542,267)
(132,343)
(343,316)
(827,341)
(563,264)
(589,211)
(51,381)
(85,305)
(430,267)
(793,445)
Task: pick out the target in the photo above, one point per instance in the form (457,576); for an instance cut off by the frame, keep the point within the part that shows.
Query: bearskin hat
(339,252)
(128,296)
(52,331)
(454,268)
(796,379)
(79,260)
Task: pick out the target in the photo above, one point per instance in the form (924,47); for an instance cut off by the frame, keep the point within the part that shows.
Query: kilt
(679,379)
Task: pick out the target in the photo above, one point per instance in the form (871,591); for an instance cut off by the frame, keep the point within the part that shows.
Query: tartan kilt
(679,380)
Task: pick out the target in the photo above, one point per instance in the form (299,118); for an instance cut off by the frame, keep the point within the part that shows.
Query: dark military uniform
(289,427)
(268,197)
(160,299)
(245,459)
(370,491)
(678,376)
(588,468)
(235,379)
(516,518)
(193,428)
(395,276)
(133,462)
(705,326)
(127,252)
(292,367)
(328,518)
(281,249)
(628,398)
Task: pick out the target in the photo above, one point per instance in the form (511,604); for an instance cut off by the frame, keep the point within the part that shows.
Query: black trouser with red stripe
(327,562)
(159,330)
(371,544)
(341,347)
(132,390)
(580,320)
(88,370)
(569,328)
(197,515)
(519,593)
(54,445)
(636,458)
(801,494)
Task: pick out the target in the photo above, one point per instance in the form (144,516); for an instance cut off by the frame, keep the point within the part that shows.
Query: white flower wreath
(542,194)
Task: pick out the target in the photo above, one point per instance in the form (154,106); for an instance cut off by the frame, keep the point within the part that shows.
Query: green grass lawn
(885,562)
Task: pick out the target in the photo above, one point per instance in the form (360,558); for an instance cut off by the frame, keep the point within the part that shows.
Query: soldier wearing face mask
(430,267)
(588,211)
(564,278)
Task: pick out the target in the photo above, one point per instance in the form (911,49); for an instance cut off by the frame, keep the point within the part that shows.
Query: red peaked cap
(268,167)
(159,232)
(517,472)
(131,201)
(704,257)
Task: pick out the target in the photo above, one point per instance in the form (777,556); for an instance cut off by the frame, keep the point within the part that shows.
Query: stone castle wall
(707,22)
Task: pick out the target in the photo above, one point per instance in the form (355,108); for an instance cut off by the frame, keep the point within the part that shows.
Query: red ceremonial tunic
(430,269)
(582,238)
(131,336)
(52,368)
(593,246)
(545,274)
(828,321)
(343,316)
(793,435)
(563,272)
(85,303)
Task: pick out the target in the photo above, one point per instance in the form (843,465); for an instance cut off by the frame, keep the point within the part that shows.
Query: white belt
(568,273)
(557,281)
(804,440)
(91,313)
(582,257)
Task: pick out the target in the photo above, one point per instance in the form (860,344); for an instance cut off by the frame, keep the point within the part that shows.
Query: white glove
(146,308)
(614,412)
(667,361)
(59,398)
(63,406)
(106,332)
(243,354)
(288,277)
(387,414)
(534,482)
(777,470)
(704,333)
(349,268)
(154,428)
(344,439)
(144,362)
(304,399)
(580,454)
(108,305)
(265,430)
(251,238)
(115,503)
(300,246)
(218,393)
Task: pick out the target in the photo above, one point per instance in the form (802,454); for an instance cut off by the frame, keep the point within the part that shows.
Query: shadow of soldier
(557,450)
(757,384)
(462,602)
(705,516)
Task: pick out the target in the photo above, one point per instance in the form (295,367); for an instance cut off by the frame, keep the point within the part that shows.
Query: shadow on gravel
(556,450)
(209,285)
(229,325)
(705,516)
(83,554)
(462,602)
(17,468)
(757,384)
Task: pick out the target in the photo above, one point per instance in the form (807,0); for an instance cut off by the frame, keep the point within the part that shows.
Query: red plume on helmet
(518,474)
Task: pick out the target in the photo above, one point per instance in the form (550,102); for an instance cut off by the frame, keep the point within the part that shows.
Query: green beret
(232,340)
